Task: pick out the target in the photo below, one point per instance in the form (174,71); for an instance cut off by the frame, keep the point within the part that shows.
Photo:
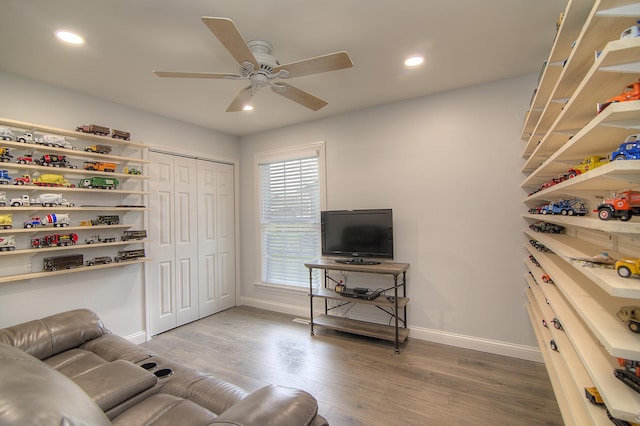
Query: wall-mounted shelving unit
(562,128)
(128,201)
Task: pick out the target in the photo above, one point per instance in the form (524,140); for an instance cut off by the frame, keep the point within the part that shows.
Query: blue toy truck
(629,149)
(565,208)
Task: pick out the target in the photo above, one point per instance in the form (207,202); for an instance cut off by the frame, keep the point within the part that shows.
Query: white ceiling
(466,42)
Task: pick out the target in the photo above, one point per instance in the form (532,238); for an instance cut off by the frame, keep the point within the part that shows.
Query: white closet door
(226,236)
(186,231)
(161,297)
(216,231)
(192,228)
(207,238)
(173,272)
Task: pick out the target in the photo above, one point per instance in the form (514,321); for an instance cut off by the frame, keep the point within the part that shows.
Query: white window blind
(290,219)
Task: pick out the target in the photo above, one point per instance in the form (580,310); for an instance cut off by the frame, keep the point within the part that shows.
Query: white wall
(449,167)
(447,164)
(116,294)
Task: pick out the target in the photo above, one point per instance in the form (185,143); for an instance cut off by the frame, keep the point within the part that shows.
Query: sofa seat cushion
(35,394)
(115,382)
(74,362)
(165,410)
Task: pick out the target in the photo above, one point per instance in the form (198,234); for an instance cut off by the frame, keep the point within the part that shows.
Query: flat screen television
(357,236)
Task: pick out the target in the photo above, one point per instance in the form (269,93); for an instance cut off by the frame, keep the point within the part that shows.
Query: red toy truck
(622,206)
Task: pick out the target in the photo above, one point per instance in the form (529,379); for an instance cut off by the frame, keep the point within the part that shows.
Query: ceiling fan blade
(300,96)
(330,62)
(178,74)
(230,37)
(242,98)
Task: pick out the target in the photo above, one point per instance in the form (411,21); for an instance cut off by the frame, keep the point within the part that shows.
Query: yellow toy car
(628,266)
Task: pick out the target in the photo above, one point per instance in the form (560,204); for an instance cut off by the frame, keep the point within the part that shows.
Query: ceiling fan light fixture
(414,61)
(247,108)
(69,37)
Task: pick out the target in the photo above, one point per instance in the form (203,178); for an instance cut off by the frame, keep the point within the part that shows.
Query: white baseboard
(529,353)
(275,306)
(137,338)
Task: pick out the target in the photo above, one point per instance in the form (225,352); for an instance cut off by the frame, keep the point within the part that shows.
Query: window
(290,203)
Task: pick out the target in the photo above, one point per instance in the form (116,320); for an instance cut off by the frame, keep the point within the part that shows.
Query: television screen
(357,233)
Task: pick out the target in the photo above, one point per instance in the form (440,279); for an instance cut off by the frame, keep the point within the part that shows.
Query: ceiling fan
(261,69)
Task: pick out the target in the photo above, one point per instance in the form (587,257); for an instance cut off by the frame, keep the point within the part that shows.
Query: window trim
(295,152)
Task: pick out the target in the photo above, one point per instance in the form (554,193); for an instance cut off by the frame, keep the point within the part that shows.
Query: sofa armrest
(32,393)
(271,406)
(112,347)
(114,383)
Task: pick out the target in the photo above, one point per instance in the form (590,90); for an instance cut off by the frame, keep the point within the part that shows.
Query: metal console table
(395,306)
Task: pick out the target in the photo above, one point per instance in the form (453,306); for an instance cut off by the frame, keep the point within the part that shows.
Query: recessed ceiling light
(414,61)
(247,108)
(69,37)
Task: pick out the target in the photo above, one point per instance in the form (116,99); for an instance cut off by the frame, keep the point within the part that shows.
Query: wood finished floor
(360,381)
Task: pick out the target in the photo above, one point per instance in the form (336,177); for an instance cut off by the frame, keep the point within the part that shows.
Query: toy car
(8,243)
(628,266)
(101,260)
(630,315)
(633,31)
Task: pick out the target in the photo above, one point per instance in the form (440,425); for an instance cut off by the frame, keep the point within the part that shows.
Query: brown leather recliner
(68,369)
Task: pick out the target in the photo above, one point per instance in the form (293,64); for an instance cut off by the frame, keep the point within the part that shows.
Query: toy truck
(6,221)
(100,149)
(51,200)
(93,128)
(134,235)
(99,182)
(628,150)
(630,93)
(4,177)
(100,166)
(120,134)
(6,134)
(622,206)
(106,220)
(47,140)
(57,220)
(124,255)
(63,262)
(565,208)
(60,240)
(628,266)
(47,200)
(5,156)
(26,159)
(587,164)
(52,180)
(33,222)
(99,239)
(54,161)
(8,243)
(22,180)
(3,198)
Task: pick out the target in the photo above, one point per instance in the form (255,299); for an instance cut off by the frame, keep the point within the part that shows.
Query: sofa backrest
(32,393)
(48,336)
